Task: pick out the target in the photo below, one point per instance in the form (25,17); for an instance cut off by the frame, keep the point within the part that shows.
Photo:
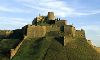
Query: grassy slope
(5,46)
(33,49)
(51,49)
(78,49)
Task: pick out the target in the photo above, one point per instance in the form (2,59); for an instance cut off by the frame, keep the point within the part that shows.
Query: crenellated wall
(60,23)
(89,41)
(80,33)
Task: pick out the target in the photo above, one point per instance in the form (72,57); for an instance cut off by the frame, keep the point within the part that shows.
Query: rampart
(38,31)
(80,33)
(35,31)
(89,41)
(60,23)
(15,50)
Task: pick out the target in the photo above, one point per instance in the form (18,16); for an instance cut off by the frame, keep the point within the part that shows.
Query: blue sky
(85,14)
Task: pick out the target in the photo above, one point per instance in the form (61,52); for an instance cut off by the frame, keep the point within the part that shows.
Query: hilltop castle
(41,26)
(44,24)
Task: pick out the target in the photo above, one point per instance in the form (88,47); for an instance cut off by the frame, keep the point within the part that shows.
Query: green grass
(5,46)
(33,49)
(49,48)
(78,49)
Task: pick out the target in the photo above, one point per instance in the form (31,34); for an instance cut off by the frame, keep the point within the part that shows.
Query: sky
(84,14)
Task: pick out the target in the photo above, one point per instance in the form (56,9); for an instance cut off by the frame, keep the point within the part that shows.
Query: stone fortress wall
(60,23)
(35,31)
(38,30)
(15,50)
(80,33)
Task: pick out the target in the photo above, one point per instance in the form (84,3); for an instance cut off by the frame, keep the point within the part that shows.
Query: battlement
(48,20)
(80,33)
(60,23)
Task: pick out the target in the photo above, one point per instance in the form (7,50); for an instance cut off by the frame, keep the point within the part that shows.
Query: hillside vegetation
(49,48)
(5,46)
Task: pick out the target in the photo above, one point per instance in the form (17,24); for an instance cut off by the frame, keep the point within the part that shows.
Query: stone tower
(51,16)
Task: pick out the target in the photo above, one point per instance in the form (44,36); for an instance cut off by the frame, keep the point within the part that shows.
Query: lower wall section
(36,31)
(14,51)
(32,31)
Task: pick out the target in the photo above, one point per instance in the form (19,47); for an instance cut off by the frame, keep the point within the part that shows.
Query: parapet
(89,41)
(80,33)
(60,23)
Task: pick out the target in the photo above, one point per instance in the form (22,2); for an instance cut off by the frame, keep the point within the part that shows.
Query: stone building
(41,25)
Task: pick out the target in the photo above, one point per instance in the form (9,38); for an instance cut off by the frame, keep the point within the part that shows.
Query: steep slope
(33,49)
(78,49)
(49,48)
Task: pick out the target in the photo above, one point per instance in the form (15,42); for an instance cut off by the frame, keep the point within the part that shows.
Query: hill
(47,38)
(49,48)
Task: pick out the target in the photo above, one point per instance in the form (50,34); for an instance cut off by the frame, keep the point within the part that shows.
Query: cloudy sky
(81,13)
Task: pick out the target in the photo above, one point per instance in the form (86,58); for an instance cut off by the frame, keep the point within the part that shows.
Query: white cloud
(6,22)
(13,9)
(59,7)
(11,23)
(92,33)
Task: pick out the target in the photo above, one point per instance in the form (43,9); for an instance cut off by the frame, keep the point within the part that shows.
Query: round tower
(51,16)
